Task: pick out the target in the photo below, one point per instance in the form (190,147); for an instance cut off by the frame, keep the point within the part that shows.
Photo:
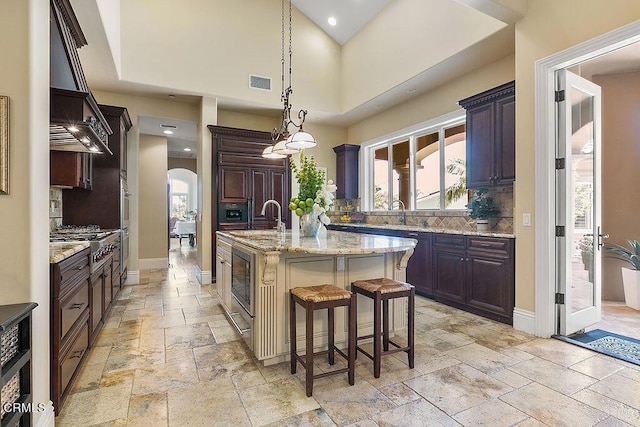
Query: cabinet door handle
(461,259)
(77,305)
(78,354)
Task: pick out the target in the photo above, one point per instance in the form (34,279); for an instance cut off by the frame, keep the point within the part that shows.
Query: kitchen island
(256,269)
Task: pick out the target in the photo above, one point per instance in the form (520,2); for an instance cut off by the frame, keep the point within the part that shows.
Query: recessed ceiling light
(411,90)
(378,107)
(168,132)
(332,21)
(172,97)
(187,149)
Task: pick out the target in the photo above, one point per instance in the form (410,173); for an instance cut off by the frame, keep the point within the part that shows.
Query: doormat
(608,343)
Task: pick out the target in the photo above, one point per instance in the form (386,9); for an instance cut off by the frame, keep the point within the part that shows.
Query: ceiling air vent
(258,82)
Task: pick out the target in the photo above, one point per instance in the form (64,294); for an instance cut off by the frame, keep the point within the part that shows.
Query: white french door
(578,215)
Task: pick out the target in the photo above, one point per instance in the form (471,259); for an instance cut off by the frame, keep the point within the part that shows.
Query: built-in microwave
(232,212)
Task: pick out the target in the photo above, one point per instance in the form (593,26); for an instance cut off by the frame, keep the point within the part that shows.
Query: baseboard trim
(203,276)
(153,263)
(48,417)
(133,277)
(524,320)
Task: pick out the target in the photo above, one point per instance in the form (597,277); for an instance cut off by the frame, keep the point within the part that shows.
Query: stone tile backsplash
(55,208)
(453,220)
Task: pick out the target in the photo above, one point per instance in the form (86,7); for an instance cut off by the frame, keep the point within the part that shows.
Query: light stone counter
(426,229)
(281,263)
(327,242)
(59,251)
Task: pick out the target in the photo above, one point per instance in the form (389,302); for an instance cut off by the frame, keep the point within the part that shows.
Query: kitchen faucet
(403,218)
(280,227)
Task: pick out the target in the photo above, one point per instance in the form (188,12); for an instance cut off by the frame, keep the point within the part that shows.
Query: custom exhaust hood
(76,123)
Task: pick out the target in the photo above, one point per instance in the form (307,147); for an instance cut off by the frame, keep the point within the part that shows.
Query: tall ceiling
(102,63)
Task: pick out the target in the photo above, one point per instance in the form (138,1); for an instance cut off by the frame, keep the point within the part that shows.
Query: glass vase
(310,225)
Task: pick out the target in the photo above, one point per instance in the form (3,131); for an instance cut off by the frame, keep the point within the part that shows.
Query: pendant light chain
(290,49)
(283,142)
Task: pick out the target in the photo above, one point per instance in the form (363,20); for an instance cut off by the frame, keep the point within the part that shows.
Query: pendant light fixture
(285,143)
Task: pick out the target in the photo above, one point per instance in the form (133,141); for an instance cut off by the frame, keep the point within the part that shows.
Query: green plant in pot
(482,207)
(630,276)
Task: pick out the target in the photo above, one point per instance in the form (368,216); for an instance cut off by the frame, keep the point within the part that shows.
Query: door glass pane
(455,153)
(401,175)
(582,199)
(381,178)
(428,171)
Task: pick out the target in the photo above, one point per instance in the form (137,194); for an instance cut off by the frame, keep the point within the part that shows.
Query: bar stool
(317,298)
(381,291)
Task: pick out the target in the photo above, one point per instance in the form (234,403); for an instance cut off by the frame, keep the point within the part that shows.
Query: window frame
(368,148)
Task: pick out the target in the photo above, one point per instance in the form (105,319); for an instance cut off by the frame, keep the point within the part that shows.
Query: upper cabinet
(347,171)
(120,122)
(491,137)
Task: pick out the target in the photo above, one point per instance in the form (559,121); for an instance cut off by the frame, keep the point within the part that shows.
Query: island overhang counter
(255,270)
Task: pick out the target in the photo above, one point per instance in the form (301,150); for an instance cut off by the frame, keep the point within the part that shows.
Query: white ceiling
(184,134)
(351,15)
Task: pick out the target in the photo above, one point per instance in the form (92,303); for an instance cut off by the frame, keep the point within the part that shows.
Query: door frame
(545,131)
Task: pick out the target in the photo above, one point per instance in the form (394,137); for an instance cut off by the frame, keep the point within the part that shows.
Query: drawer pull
(78,305)
(413,234)
(485,245)
(80,267)
(78,354)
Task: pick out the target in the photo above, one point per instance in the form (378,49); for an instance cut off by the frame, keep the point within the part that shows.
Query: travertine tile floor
(167,356)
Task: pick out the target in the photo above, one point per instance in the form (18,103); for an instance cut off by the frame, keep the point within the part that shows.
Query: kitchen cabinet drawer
(495,245)
(73,268)
(72,307)
(72,358)
(448,240)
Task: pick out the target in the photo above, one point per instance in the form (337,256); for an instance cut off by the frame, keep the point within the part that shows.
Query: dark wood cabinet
(15,379)
(448,260)
(70,313)
(120,122)
(234,184)
(71,170)
(419,266)
(476,274)
(490,275)
(347,171)
(490,137)
(242,176)
(473,273)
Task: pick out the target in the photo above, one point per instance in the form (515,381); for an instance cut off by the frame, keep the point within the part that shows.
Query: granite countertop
(327,242)
(59,251)
(427,229)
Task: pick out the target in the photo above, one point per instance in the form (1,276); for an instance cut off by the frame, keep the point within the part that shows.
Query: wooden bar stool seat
(317,298)
(381,291)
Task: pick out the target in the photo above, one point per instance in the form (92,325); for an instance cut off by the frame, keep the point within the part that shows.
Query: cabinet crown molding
(489,95)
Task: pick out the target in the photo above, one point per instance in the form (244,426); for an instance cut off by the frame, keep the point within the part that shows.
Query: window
(423,167)
(179,198)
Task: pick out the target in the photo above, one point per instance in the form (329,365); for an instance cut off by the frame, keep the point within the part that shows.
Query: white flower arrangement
(324,202)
